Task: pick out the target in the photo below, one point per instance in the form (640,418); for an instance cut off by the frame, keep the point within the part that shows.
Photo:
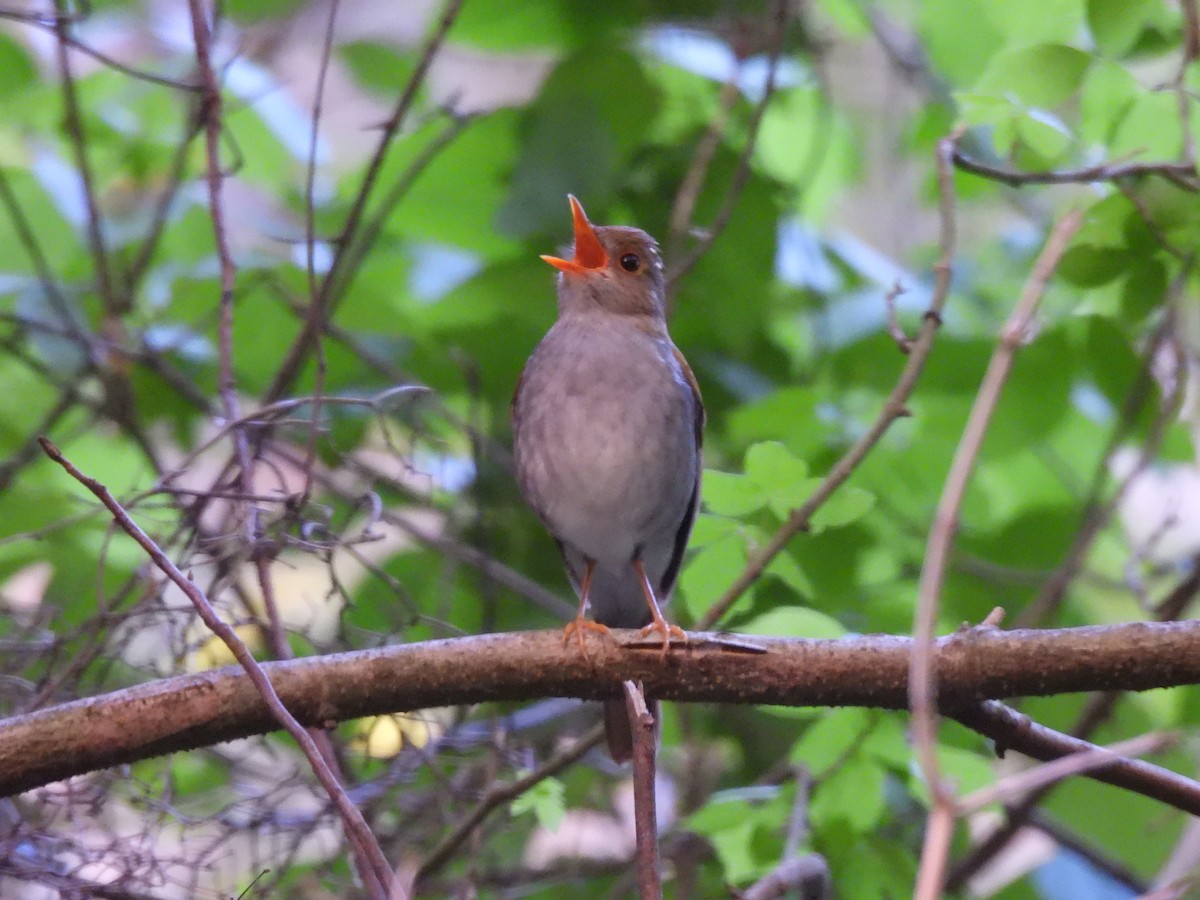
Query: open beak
(589,252)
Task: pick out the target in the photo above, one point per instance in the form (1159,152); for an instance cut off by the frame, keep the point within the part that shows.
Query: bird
(608,425)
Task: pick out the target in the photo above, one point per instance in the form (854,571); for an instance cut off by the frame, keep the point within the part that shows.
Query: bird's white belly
(607,484)
(611,465)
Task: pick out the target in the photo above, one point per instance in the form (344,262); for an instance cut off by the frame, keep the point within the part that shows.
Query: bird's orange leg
(581,623)
(658,623)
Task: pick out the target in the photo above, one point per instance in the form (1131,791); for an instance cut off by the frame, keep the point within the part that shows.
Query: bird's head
(615,268)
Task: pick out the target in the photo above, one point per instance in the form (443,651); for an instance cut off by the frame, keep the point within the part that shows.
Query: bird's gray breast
(605,445)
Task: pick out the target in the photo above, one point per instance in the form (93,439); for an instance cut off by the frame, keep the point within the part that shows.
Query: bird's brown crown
(613,267)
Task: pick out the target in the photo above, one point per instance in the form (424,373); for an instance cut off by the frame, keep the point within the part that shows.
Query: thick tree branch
(200,710)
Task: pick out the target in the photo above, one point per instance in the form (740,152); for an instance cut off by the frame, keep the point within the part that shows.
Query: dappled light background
(327,453)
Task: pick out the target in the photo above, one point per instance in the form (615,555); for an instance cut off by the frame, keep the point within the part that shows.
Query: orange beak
(589,252)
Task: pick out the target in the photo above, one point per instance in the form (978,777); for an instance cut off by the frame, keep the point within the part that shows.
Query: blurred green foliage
(783,319)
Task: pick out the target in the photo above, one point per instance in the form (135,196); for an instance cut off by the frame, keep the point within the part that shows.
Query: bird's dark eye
(630,262)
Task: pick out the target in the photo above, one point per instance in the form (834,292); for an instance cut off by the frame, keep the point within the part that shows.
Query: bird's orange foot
(668,631)
(577,627)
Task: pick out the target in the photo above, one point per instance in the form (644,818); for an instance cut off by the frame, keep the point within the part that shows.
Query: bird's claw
(668,631)
(577,627)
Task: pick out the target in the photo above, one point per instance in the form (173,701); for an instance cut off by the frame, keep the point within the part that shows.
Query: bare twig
(74,123)
(645,817)
(922,686)
(780,13)
(310,247)
(349,240)
(1098,708)
(893,408)
(1010,729)
(693,179)
(806,876)
(211,116)
(498,796)
(350,814)
(1062,768)
(1182,174)
(903,341)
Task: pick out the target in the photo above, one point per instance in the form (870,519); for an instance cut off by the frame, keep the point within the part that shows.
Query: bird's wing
(689,376)
(512,404)
(689,516)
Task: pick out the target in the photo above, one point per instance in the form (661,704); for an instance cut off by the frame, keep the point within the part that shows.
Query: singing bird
(607,427)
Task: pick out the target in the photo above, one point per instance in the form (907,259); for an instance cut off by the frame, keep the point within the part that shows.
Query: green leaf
(849,17)
(455,200)
(830,739)
(788,415)
(852,794)
(785,567)
(540,24)
(1117,24)
(730,494)
(545,801)
(1045,134)
(960,53)
(848,504)
(577,141)
(1089,265)
(794,621)
(888,742)
(17,70)
(1150,130)
(745,831)
(248,11)
(710,529)
(780,478)
(1108,92)
(1043,75)
(710,572)
(1036,396)
(689,102)
(1145,289)
(1031,21)
(377,66)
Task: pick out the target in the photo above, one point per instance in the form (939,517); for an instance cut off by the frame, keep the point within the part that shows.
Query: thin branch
(1062,768)
(1098,709)
(28,451)
(1098,511)
(213,125)
(893,321)
(780,14)
(326,299)
(645,818)
(167,196)
(688,193)
(806,876)
(265,691)
(1182,174)
(893,408)
(45,272)
(74,125)
(501,795)
(922,681)
(1110,867)
(1012,730)
(310,246)
(935,849)
(109,61)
